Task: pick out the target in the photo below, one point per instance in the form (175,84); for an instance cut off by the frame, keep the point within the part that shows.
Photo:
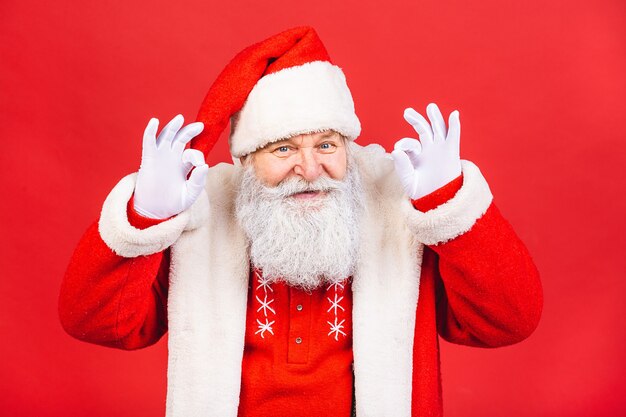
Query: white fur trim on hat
(456,216)
(129,242)
(307,98)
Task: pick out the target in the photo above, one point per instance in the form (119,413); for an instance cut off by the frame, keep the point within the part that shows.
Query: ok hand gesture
(162,189)
(431,162)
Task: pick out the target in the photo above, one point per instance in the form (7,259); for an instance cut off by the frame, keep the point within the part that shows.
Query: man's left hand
(431,162)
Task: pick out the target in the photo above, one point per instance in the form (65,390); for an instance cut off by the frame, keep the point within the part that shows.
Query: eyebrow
(288,141)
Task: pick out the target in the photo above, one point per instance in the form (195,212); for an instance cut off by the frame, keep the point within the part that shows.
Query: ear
(247,160)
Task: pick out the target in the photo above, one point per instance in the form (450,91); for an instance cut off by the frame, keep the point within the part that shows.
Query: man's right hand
(162,189)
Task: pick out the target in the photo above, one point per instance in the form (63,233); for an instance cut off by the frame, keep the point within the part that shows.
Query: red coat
(479,288)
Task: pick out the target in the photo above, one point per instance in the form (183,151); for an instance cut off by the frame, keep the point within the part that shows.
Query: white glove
(430,163)
(162,189)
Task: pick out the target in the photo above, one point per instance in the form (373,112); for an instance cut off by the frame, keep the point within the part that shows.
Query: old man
(313,276)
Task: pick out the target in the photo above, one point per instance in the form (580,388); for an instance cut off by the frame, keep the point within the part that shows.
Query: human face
(308,156)
(318,238)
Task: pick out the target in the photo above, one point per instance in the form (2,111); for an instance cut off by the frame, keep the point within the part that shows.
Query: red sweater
(480,289)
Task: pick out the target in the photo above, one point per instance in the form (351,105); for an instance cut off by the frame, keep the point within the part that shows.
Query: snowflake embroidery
(334,305)
(264,283)
(265,327)
(336,328)
(265,305)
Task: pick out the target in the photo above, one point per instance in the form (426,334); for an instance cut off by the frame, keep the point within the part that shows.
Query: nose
(307,166)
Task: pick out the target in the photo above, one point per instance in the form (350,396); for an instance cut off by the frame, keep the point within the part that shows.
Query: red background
(541,86)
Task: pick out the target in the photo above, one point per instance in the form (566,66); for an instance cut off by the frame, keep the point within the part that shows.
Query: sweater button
(299,307)
(298,340)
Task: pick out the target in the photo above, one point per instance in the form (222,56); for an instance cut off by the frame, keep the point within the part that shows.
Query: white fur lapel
(385,293)
(207,309)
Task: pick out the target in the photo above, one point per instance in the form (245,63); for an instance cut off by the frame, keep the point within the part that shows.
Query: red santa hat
(281,87)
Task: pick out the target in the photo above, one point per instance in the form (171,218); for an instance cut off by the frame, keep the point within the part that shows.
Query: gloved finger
(408,144)
(402,162)
(420,125)
(406,171)
(412,147)
(454,134)
(437,122)
(169,131)
(186,134)
(191,158)
(148,146)
(195,183)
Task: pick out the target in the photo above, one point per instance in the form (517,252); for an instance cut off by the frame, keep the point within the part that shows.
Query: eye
(283,151)
(327,147)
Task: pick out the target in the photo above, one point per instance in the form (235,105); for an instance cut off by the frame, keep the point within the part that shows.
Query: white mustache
(296,185)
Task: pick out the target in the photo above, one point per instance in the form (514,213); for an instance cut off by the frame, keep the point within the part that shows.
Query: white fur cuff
(456,216)
(128,241)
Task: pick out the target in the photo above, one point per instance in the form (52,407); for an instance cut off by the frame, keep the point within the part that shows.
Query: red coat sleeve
(488,288)
(111,300)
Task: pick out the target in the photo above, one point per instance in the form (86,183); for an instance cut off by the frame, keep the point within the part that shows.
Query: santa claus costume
(447,264)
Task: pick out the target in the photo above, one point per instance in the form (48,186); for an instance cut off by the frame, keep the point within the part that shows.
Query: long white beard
(305,243)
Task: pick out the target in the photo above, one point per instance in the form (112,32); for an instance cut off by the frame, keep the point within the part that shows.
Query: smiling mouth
(309,194)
